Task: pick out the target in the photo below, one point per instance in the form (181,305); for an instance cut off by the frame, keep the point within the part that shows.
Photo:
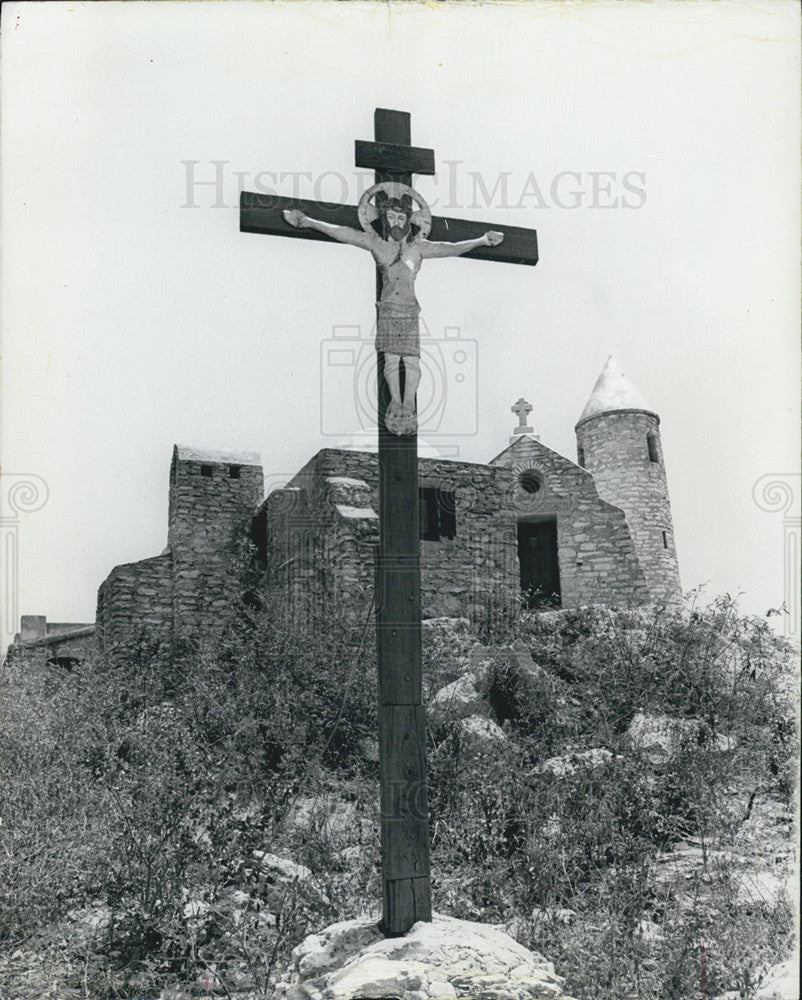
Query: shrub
(148,785)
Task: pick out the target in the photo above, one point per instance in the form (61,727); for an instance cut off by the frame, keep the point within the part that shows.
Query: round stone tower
(618,442)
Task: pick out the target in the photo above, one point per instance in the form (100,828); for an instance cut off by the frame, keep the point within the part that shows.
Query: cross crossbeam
(262,213)
(521,409)
(393,157)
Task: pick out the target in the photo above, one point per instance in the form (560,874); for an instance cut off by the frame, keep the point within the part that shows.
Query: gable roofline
(536,439)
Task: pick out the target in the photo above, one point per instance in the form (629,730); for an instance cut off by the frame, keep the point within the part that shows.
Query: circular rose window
(530,481)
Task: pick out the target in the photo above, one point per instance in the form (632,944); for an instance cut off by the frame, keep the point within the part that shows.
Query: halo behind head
(406,198)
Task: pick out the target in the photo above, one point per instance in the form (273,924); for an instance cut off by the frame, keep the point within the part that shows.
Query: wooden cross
(402,727)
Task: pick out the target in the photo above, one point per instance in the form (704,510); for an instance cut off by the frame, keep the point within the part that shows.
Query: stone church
(529,525)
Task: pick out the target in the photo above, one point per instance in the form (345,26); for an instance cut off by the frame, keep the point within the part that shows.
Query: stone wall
(597,557)
(135,606)
(213,497)
(39,642)
(186,592)
(322,531)
(616,451)
(319,534)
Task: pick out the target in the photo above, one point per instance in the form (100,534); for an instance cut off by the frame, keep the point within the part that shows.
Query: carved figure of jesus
(395,235)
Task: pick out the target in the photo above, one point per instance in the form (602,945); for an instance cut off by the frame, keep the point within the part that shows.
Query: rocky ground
(448,958)
(442,960)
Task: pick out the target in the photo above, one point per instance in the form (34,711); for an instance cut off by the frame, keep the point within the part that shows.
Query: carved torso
(399,264)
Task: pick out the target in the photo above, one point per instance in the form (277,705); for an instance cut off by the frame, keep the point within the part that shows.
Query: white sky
(131,322)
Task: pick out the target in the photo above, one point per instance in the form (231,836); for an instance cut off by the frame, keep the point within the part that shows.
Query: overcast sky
(654,147)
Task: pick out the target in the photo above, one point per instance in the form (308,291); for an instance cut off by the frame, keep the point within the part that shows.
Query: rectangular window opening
(438,514)
(206,470)
(234,471)
(665,539)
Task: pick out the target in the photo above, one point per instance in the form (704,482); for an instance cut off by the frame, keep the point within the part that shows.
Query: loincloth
(397,330)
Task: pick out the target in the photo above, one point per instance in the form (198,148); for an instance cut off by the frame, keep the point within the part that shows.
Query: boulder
(328,813)
(479,663)
(447,958)
(759,887)
(512,664)
(332,947)
(280,868)
(578,760)
(88,924)
(481,729)
(661,736)
(493,675)
(781,982)
(462,698)
(520,661)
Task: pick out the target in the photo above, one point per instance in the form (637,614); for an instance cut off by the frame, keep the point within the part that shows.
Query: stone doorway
(539,565)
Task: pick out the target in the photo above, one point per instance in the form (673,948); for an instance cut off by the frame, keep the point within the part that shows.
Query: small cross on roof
(522,409)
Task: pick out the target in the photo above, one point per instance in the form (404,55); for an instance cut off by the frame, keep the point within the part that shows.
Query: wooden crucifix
(394,223)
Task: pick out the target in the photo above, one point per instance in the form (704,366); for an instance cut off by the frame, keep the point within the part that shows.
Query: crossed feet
(400,419)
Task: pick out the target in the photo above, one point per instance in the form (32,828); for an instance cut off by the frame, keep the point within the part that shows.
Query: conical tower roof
(612,392)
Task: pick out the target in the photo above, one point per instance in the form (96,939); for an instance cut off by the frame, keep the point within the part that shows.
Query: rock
(520,659)
(281,868)
(511,664)
(461,698)
(373,977)
(482,729)
(781,982)
(570,763)
(759,888)
(369,749)
(661,736)
(446,958)
(479,663)
(650,932)
(95,917)
(195,908)
(724,744)
(88,924)
(324,952)
(328,813)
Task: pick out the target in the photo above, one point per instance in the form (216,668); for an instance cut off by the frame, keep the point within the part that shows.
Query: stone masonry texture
(185,593)
(323,530)
(597,559)
(615,447)
(317,536)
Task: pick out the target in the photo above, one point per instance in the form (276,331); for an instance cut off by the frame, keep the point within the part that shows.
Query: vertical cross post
(402,730)
(402,727)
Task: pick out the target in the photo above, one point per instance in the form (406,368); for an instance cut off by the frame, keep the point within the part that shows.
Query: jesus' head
(396,220)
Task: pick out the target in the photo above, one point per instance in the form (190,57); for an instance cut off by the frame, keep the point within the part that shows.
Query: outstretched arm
(343,234)
(490,239)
